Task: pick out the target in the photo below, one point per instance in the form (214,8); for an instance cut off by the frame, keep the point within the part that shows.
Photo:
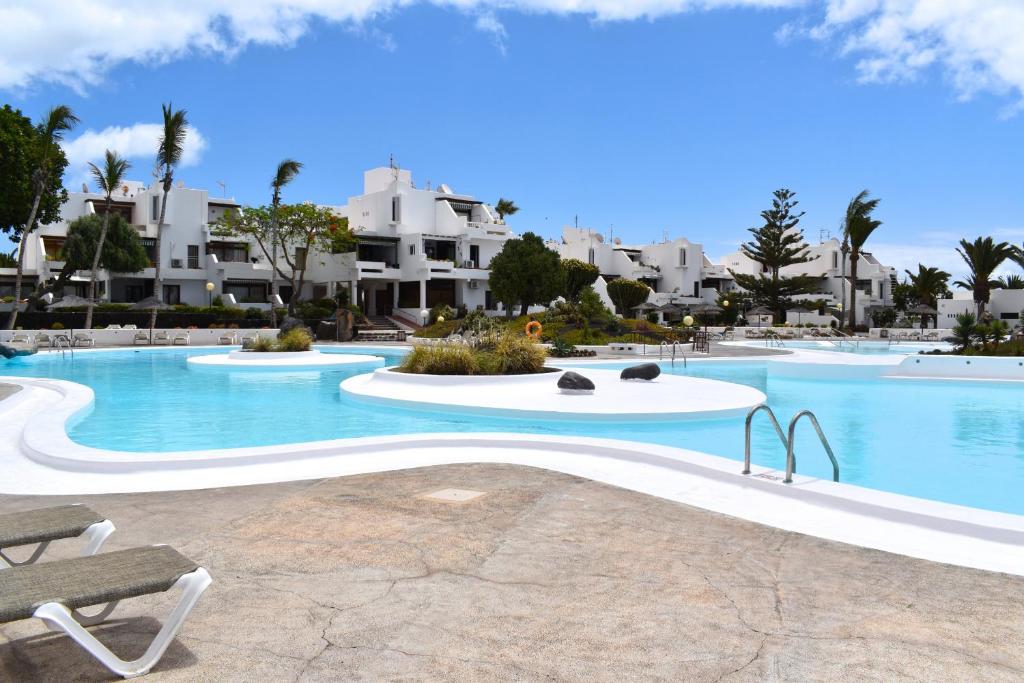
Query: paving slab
(544,577)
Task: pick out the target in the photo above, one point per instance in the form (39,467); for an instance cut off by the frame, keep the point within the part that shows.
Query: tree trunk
(854,257)
(95,266)
(273,270)
(13,318)
(158,294)
(524,308)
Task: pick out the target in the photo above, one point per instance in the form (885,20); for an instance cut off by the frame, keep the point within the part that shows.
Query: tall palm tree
(858,225)
(505,207)
(286,172)
(59,120)
(108,179)
(169,151)
(983,257)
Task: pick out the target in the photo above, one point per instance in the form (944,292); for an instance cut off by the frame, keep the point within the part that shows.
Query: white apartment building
(678,271)
(416,248)
(1003,304)
(874,280)
(191,257)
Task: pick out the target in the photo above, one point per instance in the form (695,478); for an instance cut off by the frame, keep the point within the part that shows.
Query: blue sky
(678,121)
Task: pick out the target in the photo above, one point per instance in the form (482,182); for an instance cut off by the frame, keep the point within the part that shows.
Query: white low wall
(197,337)
(961,367)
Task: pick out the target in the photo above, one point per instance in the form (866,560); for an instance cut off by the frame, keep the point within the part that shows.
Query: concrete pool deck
(545,577)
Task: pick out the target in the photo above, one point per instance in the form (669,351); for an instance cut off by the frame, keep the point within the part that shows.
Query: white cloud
(77,43)
(137,143)
(979,44)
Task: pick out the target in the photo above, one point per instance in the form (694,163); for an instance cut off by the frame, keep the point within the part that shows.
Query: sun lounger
(248,340)
(42,339)
(41,527)
(227,339)
(130,327)
(83,339)
(113,327)
(181,338)
(56,591)
(161,338)
(141,338)
(20,339)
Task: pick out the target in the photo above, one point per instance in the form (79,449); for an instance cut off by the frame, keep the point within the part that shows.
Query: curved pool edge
(51,463)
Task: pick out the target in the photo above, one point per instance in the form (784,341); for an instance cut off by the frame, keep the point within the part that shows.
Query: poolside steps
(380,329)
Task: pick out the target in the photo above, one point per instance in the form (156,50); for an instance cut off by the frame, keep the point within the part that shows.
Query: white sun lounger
(56,591)
(43,526)
(141,338)
(181,338)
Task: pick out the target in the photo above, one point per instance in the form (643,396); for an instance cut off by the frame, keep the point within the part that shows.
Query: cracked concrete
(547,577)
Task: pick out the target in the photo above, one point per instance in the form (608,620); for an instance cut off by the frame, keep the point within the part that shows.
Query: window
(682,257)
(1008,316)
(134,293)
(474,254)
(396,209)
(835,260)
(696,289)
(247,291)
(172,294)
(412,250)
(590,256)
(488,300)
(228,252)
(156,209)
(193,256)
(300,258)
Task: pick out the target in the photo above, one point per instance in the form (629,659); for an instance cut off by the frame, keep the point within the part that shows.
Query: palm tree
(169,150)
(928,284)
(1010,282)
(59,120)
(505,207)
(857,228)
(286,172)
(983,257)
(108,179)
(965,331)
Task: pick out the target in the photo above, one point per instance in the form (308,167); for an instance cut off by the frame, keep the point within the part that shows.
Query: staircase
(380,328)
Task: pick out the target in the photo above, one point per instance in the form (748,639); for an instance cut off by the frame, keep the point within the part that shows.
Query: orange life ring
(533,329)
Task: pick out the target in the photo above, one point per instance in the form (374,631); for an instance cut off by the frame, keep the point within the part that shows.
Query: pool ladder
(63,344)
(788,442)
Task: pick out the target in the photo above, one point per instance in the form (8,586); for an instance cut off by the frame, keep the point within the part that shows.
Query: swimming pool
(953,441)
(871,347)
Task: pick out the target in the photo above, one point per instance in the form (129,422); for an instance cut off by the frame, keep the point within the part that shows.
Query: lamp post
(425,316)
(209,292)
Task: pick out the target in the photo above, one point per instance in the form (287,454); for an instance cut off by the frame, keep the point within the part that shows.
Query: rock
(345,322)
(575,383)
(10,352)
(289,323)
(326,330)
(645,371)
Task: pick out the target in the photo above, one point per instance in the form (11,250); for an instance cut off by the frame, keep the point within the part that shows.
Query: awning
(232,281)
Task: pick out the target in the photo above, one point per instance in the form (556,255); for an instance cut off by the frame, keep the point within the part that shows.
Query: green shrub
(442,311)
(263,344)
(218,302)
(295,339)
(519,355)
(440,359)
(439,330)
(253,313)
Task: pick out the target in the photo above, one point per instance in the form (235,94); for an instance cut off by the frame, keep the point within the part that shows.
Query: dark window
(247,292)
(474,255)
(300,258)
(396,209)
(172,294)
(193,256)
(696,289)
(1008,316)
(229,252)
(156,209)
(149,244)
(488,300)
(409,294)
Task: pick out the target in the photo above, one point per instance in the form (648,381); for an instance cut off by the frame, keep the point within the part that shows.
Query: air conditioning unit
(473,284)
(176,263)
(469,264)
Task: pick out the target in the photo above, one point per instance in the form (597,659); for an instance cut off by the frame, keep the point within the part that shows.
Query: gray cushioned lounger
(51,524)
(56,591)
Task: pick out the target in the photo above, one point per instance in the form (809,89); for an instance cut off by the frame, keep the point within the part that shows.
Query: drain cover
(453,495)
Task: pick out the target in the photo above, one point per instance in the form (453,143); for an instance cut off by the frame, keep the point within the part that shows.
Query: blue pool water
(862,347)
(959,442)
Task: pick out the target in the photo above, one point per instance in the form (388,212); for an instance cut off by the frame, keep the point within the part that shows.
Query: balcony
(245,270)
(378,270)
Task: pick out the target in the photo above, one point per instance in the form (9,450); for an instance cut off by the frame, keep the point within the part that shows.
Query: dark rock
(647,371)
(573,382)
(289,323)
(326,331)
(10,352)
(345,322)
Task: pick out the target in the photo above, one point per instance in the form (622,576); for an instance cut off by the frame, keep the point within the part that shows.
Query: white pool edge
(885,521)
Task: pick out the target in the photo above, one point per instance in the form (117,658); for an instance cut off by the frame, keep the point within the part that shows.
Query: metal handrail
(672,346)
(791,456)
(62,344)
(775,423)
